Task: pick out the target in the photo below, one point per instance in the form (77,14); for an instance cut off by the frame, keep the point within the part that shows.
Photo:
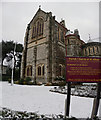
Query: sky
(83,16)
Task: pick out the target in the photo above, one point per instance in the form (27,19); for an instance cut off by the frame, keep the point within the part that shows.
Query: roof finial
(61,19)
(89,38)
(39,6)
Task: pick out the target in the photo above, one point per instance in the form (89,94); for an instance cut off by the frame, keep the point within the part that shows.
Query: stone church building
(45,44)
(44,48)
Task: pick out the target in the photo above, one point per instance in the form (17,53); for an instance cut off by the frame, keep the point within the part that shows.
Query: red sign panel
(83,69)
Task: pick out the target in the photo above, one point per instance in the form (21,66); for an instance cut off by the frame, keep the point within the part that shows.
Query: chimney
(76,32)
(62,22)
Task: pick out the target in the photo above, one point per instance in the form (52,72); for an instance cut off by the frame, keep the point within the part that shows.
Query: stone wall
(24,53)
(37,49)
(73,45)
(58,48)
(47,50)
(91,49)
(29,56)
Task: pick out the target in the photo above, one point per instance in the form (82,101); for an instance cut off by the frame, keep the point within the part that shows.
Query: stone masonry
(46,44)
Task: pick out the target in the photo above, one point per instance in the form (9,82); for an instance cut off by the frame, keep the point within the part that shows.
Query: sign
(83,69)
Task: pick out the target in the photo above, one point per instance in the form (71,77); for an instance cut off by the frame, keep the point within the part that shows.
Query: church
(46,43)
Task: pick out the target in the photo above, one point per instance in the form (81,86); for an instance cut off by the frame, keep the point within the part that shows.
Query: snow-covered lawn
(39,99)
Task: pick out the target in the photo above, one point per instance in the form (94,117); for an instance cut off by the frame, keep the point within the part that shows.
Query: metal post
(68,98)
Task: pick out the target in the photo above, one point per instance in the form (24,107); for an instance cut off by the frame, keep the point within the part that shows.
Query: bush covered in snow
(60,89)
(84,90)
(8,114)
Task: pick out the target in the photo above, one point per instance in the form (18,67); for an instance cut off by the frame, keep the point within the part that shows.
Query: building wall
(46,45)
(58,49)
(73,45)
(91,49)
(43,54)
(37,48)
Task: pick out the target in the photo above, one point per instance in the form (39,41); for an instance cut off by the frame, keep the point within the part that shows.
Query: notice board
(83,69)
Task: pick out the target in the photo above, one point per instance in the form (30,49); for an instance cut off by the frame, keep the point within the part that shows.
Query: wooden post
(68,98)
(96,103)
(93,109)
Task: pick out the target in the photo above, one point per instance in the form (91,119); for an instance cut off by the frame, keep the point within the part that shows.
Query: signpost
(68,98)
(83,69)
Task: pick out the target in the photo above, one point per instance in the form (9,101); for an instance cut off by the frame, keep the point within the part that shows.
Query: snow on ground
(39,99)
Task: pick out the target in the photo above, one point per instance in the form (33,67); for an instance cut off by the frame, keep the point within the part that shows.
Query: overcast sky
(83,16)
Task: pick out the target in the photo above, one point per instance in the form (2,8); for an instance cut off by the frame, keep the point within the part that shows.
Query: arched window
(43,70)
(89,51)
(68,41)
(97,49)
(42,28)
(85,52)
(35,31)
(93,50)
(62,36)
(38,28)
(39,70)
(60,70)
(28,71)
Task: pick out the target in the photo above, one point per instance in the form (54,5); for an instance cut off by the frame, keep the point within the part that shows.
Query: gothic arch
(61,68)
(40,70)
(38,28)
(29,70)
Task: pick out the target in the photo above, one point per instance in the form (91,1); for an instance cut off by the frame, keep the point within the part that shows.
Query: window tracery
(40,70)
(38,28)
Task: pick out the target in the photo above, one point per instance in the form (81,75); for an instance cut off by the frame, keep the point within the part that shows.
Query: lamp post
(13,62)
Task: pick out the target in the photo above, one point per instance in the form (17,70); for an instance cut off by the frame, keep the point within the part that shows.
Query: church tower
(43,56)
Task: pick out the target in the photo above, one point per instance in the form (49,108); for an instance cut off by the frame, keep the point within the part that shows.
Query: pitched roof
(39,10)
